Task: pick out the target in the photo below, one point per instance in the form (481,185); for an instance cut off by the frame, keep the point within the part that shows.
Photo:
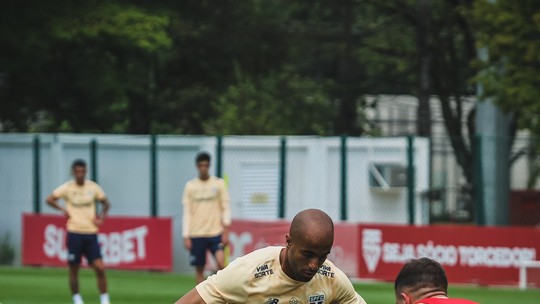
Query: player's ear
(288,240)
(404,298)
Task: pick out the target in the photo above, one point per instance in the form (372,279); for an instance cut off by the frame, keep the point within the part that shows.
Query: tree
(80,66)
(281,103)
(509,31)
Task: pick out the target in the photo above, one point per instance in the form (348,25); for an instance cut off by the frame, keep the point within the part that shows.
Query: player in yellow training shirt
(297,273)
(206,217)
(80,196)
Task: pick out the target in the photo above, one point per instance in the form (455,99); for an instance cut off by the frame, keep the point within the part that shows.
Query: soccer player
(423,281)
(206,217)
(80,196)
(296,273)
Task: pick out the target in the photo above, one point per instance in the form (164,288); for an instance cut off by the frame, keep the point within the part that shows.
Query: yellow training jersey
(80,204)
(206,207)
(258,278)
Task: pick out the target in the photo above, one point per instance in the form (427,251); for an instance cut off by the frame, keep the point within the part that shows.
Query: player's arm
(191,297)
(52,201)
(345,292)
(186,217)
(226,213)
(106,205)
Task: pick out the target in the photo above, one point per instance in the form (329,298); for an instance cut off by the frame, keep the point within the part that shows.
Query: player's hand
(187,243)
(66,214)
(225,239)
(98,221)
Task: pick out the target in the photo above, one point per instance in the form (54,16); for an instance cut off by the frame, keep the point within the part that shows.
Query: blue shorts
(82,244)
(199,246)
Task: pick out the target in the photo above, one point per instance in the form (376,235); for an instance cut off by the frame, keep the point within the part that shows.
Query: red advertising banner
(126,242)
(246,236)
(481,255)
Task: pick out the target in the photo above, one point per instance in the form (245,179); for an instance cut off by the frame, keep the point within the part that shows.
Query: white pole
(523,272)
(523,276)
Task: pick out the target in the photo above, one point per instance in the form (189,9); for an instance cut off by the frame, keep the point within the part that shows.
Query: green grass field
(29,285)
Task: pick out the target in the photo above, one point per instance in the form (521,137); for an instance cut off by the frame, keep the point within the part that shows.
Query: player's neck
(284,263)
(204,177)
(434,294)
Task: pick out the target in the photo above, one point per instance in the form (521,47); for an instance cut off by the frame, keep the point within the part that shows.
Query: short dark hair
(78,163)
(202,156)
(421,273)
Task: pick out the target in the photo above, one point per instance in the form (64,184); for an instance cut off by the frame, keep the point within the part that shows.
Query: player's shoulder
(329,270)
(63,187)
(192,181)
(68,184)
(259,263)
(217,179)
(91,183)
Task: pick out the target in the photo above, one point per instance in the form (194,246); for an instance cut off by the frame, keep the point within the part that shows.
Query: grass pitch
(30,285)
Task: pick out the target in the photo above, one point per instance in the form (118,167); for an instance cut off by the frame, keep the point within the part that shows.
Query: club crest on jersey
(271,301)
(316,299)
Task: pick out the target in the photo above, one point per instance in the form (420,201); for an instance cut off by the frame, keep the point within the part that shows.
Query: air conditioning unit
(387,176)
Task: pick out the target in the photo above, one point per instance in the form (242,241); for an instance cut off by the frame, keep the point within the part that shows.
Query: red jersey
(444,301)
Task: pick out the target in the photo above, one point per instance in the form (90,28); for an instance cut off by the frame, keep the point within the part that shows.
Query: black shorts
(79,245)
(199,246)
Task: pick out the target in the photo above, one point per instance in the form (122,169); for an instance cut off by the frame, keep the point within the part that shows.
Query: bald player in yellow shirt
(80,196)
(206,217)
(297,273)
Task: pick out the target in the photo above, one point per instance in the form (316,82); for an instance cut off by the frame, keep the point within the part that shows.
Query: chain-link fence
(371,180)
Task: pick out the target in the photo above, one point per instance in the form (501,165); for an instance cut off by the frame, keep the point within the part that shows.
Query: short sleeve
(345,292)
(60,192)
(227,285)
(100,194)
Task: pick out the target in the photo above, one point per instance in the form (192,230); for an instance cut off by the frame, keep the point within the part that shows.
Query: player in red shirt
(423,281)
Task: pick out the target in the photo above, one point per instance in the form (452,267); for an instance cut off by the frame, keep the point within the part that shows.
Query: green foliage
(49,286)
(125,24)
(280,103)
(171,66)
(7,252)
(80,66)
(509,31)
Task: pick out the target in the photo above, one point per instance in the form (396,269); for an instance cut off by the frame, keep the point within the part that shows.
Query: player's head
(203,164)
(309,242)
(418,279)
(78,169)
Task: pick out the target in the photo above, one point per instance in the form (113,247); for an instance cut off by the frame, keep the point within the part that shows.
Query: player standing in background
(423,281)
(206,217)
(80,196)
(296,273)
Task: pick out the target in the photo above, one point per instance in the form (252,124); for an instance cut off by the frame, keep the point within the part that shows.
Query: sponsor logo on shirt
(294,300)
(262,271)
(316,299)
(271,301)
(326,271)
